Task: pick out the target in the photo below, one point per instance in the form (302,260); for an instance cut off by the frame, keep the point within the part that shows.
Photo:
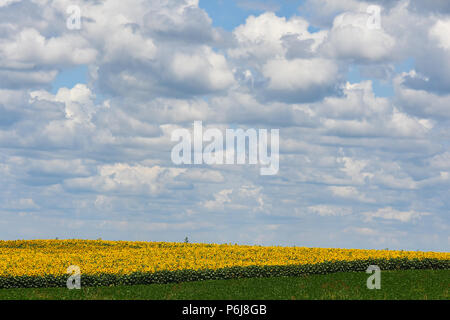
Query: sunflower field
(43,263)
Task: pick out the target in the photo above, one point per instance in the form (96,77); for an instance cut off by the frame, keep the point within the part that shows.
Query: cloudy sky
(86,117)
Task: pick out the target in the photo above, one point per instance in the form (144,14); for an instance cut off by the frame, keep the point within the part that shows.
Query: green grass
(403,284)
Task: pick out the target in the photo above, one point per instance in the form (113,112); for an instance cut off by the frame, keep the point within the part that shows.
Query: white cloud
(245,198)
(351,38)
(24,79)
(29,48)
(354,169)
(220,199)
(137,46)
(261,37)
(22,204)
(440,31)
(441,161)
(350,192)
(326,210)
(421,102)
(364,231)
(126,178)
(78,101)
(4,3)
(360,113)
(205,70)
(202,175)
(299,74)
(389,213)
(299,80)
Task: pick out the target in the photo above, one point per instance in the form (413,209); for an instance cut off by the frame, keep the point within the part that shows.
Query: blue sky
(231,14)
(67,78)
(86,118)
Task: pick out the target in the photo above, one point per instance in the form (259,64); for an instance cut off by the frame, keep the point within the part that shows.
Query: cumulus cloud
(351,37)
(92,159)
(264,37)
(245,198)
(203,72)
(29,49)
(361,113)
(389,213)
(300,80)
(126,178)
(421,102)
(439,31)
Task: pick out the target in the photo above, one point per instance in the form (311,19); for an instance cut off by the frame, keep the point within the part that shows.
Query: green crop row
(225,273)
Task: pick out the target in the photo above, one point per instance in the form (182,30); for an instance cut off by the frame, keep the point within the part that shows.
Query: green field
(403,284)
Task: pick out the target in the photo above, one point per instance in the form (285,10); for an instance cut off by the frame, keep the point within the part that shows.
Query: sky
(363,109)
